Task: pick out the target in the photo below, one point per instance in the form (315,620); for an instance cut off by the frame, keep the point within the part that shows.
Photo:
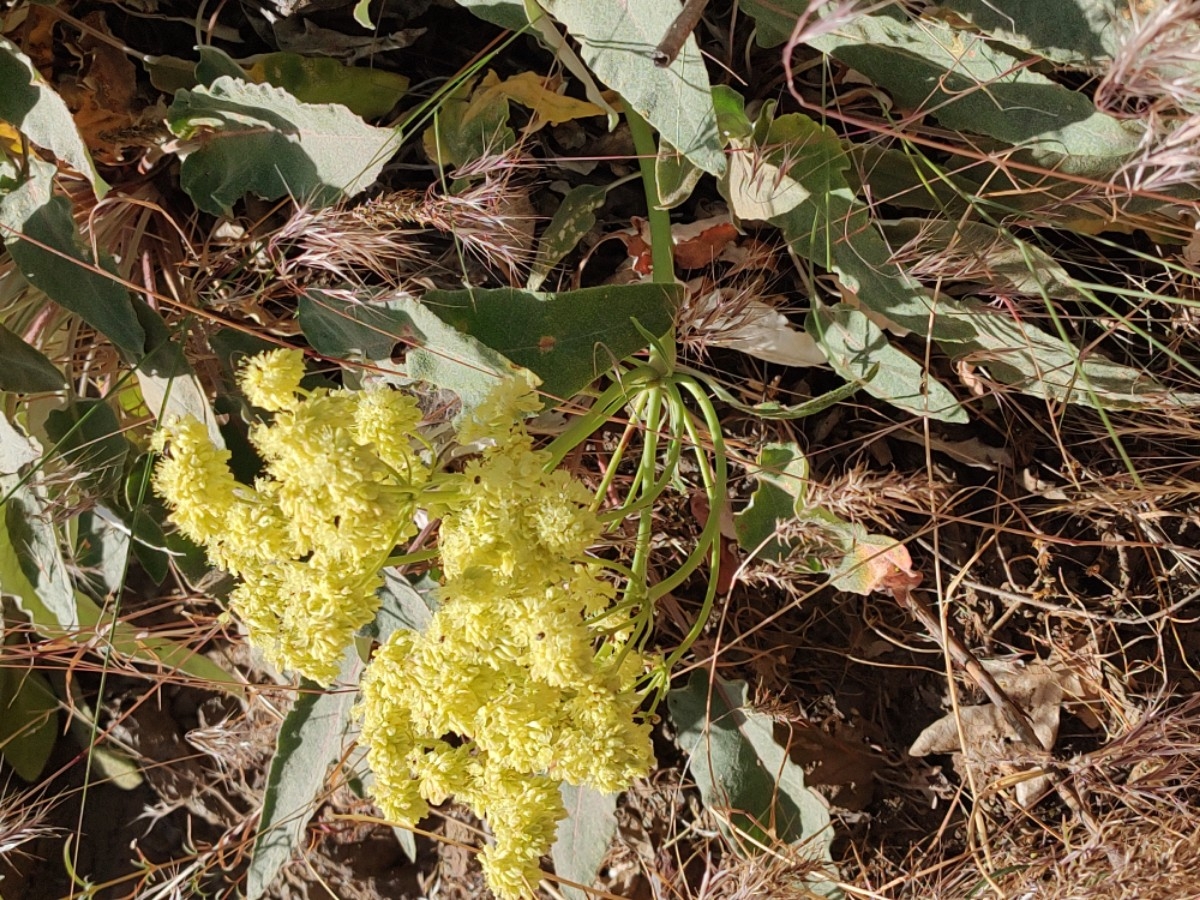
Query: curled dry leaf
(993,746)
(696,244)
(874,562)
(720,318)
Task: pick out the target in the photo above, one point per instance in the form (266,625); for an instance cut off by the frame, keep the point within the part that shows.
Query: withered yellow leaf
(535,92)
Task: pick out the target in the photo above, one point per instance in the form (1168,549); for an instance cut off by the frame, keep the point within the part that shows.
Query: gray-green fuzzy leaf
(583,837)
(33,108)
(255,138)
(855,346)
(310,739)
(745,777)
(833,227)
(992,261)
(617,40)
(40,235)
(782,476)
(32,568)
(1085,33)
(438,353)
(970,85)
(1021,355)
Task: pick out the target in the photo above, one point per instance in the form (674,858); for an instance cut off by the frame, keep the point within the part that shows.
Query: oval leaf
(40,234)
(310,739)
(26,369)
(256,138)
(583,837)
(747,779)
(617,41)
(855,347)
(31,106)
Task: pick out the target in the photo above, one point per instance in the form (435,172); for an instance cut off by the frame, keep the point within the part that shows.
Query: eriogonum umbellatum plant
(532,671)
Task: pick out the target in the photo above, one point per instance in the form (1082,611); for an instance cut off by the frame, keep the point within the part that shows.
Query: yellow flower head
(340,490)
(516,685)
(271,380)
(501,415)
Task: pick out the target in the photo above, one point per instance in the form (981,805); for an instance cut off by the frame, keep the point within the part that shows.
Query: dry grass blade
(491,219)
(23,816)
(1155,66)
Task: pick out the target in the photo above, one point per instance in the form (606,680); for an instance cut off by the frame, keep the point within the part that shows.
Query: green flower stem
(661,250)
(614,461)
(669,467)
(640,564)
(642,479)
(585,425)
(407,559)
(715,485)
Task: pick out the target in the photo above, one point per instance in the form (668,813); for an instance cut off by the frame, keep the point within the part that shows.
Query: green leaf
(508,14)
(855,346)
(16,451)
(109,762)
(730,108)
(567,339)
(774,19)
(40,235)
(26,370)
(403,605)
(169,384)
(573,219)
(782,478)
(102,548)
(1007,265)
(1021,355)
(1084,33)
(466,128)
(33,108)
(216,63)
(310,740)
(834,229)
(438,353)
(747,780)
(32,569)
(28,721)
(363,331)
(772,409)
(369,93)
(362,14)
(88,437)
(970,85)
(583,837)
(617,41)
(675,175)
(258,138)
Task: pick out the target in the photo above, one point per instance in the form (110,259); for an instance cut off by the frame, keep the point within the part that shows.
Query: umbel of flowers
(523,679)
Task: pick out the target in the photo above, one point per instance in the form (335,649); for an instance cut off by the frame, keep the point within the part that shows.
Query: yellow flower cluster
(522,680)
(513,688)
(340,489)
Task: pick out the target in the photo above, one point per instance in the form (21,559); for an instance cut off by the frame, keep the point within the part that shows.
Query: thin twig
(678,31)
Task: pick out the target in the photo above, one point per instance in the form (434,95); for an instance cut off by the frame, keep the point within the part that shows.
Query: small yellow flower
(500,416)
(195,480)
(271,380)
(520,681)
